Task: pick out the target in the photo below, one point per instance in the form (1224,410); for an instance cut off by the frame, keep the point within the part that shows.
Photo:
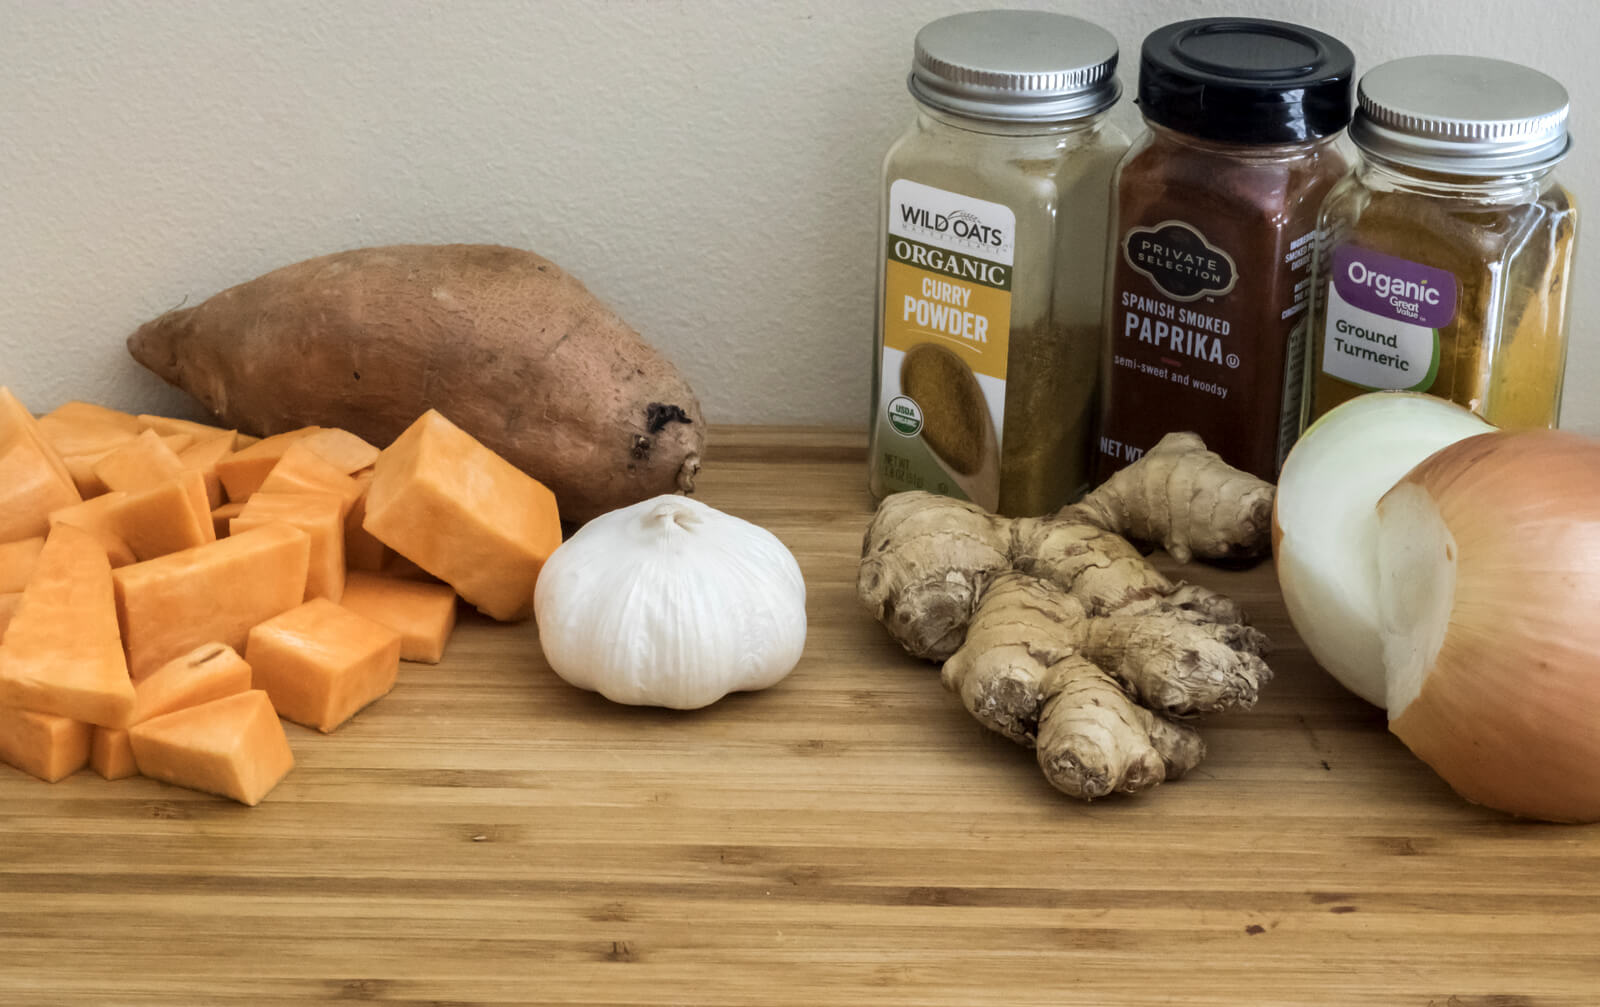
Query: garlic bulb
(671,603)
(1489,585)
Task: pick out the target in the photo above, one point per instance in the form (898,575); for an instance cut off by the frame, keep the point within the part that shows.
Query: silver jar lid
(1015,66)
(1461,115)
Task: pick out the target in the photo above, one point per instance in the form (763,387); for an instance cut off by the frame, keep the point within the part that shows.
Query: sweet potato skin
(514,350)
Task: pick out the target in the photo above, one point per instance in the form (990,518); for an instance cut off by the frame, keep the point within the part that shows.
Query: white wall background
(709,168)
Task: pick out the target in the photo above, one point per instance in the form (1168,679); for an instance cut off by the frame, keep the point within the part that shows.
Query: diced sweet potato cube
(87,414)
(200,676)
(200,432)
(302,470)
(143,462)
(62,653)
(43,744)
(361,550)
(17,560)
(165,518)
(18,425)
(233,746)
(222,517)
(171,605)
(81,468)
(8,608)
(464,514)
(320,515)
(30,488)
(202,457)
(322,663)
(341,449)
(243,472)
(423,614)
(98,517)
(111,753)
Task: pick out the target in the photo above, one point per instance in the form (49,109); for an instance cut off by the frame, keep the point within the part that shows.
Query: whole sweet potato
(500,340)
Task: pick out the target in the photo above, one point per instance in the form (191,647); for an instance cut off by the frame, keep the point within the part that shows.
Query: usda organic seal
(905,416)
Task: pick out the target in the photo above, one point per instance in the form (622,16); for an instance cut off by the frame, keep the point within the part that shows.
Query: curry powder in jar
(990,264)
(1445,262)
(1213,237)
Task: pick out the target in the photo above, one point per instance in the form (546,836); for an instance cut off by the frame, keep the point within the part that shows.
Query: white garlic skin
(670,602)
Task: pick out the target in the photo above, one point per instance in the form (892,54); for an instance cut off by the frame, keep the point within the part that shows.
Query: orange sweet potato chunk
(98,517)
(32,484)
(88,414)
(222,518)
(202,457)
(200,432)
(165,518)
(341,449)
(217,592)
(141,463)
(302,470)
(320,515)
(62,653)
(8,608)
(43,744)
(111,753)
(423,614)
(361,550)
(17,560)
(243,472)
(200,676)
(322,663)
(234,747)
(464,514)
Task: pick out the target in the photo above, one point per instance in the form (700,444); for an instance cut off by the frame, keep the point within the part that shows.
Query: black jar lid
(1246,80)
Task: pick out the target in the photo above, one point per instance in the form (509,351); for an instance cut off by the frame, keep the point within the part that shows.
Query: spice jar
(1446,259)
(990,273)
(1213,236)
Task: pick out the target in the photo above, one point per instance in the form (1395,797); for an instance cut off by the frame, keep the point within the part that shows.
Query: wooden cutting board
(489,835)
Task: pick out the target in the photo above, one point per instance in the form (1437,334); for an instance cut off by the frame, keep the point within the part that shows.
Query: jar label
(1383,320)
(946,336)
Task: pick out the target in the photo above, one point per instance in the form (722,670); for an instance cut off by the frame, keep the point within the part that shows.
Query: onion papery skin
(1508,710)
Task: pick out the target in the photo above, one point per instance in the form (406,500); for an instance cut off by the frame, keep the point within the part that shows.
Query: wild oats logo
(960,223)
(1179,260)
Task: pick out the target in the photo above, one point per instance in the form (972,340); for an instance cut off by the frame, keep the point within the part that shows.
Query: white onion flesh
(1325,522)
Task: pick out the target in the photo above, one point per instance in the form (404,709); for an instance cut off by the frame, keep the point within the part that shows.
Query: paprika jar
(990,270)
(1213,235)
(1445,264)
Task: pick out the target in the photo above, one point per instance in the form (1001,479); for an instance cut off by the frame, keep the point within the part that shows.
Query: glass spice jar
(1212,238)
(1445,261)
(990,273)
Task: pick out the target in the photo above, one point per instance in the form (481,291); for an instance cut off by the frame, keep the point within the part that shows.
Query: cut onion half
(1489,589)
(1325,525)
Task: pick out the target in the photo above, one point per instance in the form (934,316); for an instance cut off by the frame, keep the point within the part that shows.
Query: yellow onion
(1489,594)
(1325,522)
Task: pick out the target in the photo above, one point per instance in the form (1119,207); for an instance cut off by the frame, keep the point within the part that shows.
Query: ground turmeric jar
(1446,259)
(1213,237)
(990,270)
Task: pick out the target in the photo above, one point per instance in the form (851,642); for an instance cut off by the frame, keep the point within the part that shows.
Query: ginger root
(1058,634)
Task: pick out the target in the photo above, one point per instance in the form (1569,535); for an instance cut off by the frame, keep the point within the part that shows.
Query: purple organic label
(1395,288)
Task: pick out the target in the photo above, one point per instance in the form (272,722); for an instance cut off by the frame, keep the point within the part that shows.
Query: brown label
(1180,261)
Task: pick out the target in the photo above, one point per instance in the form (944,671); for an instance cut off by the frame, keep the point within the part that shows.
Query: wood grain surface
(489,835)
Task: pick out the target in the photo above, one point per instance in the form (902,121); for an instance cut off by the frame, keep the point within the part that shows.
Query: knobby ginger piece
(464,514)
(62,653)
